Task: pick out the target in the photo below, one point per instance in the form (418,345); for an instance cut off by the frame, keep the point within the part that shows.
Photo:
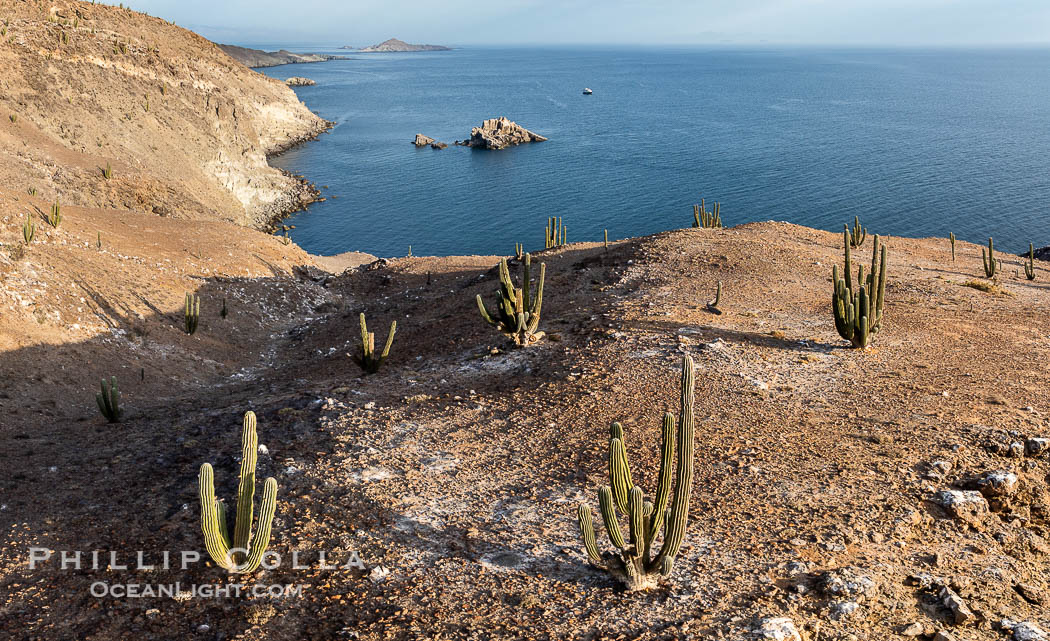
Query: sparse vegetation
(707,219)
(55,217)
(1029,266)
(858,310)
(244,551)
(13,117)
(988,260)
(519,251)
(193,313)
(857,234)
(223,313)
(109,400)
(28,230)
(368,359)
(555,233)
(712,306)
(107,171)
(634,565)
(951,237)
(32,191)
(517,310)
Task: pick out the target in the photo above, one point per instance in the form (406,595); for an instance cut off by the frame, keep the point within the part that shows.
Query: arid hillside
(185,129)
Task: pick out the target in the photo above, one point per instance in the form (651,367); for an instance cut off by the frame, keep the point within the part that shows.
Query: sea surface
(915,142)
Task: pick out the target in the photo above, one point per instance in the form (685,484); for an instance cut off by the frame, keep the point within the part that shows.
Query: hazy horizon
(934,23)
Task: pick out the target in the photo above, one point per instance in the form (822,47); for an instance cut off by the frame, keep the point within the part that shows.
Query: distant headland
(394,45)
(260,58)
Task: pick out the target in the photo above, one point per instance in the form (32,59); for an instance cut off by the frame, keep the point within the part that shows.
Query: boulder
(968,506)
(423,141)
(499,133)
(438,145)
(299,81)
(776,629)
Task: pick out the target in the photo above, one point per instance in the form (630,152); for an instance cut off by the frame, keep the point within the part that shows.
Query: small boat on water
(587,91)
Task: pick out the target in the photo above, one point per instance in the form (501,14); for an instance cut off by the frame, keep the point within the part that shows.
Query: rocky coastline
(257,58)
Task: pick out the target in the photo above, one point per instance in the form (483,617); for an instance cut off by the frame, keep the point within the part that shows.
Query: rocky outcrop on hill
(399,46)
(498,133)
(186,129)
(259,58)
(299,81)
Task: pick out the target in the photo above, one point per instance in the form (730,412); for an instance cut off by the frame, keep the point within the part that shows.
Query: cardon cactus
(634,564)
(988,260)
(193,312)
(109,400)
(858,310)
(517,311)
(244,551)
(951,237)
(857,234)
(1029,266)
(707,219)
(368,360)
(555,233)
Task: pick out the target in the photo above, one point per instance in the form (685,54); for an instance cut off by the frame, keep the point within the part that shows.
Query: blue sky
(692,22)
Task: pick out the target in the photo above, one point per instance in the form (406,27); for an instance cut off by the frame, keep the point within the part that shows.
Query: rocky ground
(897,492)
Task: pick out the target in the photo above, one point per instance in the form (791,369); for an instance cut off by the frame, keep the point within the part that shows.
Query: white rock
(997,483)
(776,629)
(968,506)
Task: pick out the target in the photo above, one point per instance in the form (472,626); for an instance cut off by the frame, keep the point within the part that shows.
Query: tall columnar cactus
(517,311)
(244,551)
(634,564)
(988,260)
(951,237)
(368,360)
(857,234)
(519,251)
(193,312)
(55,218)
(707,219)
(555,233)
(712,306)
(28,230)
(858,310)
(1029,267)
(109,400)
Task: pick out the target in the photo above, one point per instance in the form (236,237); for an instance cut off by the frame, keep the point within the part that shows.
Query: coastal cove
(916,142)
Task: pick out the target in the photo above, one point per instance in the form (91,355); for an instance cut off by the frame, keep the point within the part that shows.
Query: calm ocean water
(918,143)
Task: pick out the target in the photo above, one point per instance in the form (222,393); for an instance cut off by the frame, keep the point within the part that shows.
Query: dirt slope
(457,469)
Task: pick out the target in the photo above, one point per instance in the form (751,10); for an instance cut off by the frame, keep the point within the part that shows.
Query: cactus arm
(607,507)
(262,534)
(636,512)
(679,512)
(534,313)
(246,488)
(214,531)
(389,341)
(485,312)
(526,285)
(663,484)
(619,473)
(583,515)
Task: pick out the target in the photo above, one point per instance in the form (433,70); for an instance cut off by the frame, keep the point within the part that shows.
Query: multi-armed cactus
(988,260)
(519,251)
(951,237)
(368,359)
(555,233)
(28,230)
(635,565)
(109,400)
(517,310)
(707,219)
(55,218)
(857,234)
(858,310)
(193,312)
(244,551)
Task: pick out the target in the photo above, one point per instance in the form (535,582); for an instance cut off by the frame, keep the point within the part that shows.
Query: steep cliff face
(185,128)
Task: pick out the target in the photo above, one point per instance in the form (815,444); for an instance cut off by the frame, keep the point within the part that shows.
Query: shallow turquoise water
(918,143)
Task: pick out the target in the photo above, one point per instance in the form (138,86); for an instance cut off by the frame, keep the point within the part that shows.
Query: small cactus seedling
(107,171)
(224,312)
(951,237)
(857,234)
(55,217)
(1029,267)
(858,310)
(988,260)
(98,241)
(109,400)
(193,312)
(517,312)
(712,306)
(368,359)
(635,565)
(242,553)
(28,230)
(704,219)
(555,232)
(606,240)
(13,117)
(32,191)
